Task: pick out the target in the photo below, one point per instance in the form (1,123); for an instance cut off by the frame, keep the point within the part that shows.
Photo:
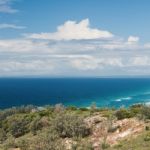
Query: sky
(74,38)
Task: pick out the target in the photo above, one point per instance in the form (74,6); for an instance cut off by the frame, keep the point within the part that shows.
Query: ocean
(80,92)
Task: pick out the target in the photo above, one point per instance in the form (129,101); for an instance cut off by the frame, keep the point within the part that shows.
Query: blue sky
(74,37)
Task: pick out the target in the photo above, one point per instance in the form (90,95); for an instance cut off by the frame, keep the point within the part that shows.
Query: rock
(123,129)
(93,120)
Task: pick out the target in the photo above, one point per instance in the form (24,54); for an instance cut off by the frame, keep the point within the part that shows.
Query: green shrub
(35,125)
(23,144)
(146,112)
(71,108)
(25,109)
(43,113)
(15,110)
(147,128)
(147,137)
(38,124)
(19,126)
(136,109)
(10,144)
(118,146)
(107,113)
(47,140)
(83,109)
(123,113)
(3,135)
(68,125)
(105,146)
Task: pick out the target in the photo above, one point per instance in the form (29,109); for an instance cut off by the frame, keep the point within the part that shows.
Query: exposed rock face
(93,120)
(127,127)
(109,131)
(120,129)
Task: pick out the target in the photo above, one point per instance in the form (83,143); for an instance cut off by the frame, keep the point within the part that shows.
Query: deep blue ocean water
(81,92)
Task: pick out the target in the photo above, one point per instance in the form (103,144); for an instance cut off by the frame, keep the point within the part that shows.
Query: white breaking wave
(127,98)
(118,100)
(123,98)
(147,103)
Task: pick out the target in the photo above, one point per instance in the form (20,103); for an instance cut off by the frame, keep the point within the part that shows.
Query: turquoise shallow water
(81,92)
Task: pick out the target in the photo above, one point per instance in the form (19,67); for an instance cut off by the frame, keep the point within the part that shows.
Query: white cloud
(118,45)
(85,64)
(71,30)
(133,39)
(147,45)
(23,45)
(92,63)
(140,61)
(11,26)
(26,67)
(5,6)
(85,53)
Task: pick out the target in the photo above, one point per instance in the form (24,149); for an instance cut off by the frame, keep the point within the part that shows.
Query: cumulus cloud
(71,30)
(11,26)
(69,52)
(6,6)
(133,39)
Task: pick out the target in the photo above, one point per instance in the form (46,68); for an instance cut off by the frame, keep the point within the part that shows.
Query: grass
(134,143)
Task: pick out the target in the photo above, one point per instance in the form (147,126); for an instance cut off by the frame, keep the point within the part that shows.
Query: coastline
(80,92)
(93,127)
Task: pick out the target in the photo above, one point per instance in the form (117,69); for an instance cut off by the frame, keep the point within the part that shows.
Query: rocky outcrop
(120,129)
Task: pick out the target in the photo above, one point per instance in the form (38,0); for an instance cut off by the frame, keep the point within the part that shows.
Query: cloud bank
(75,49)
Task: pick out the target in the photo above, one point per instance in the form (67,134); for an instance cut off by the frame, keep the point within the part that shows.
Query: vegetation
(57,127)
(141,142)
(133,111)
